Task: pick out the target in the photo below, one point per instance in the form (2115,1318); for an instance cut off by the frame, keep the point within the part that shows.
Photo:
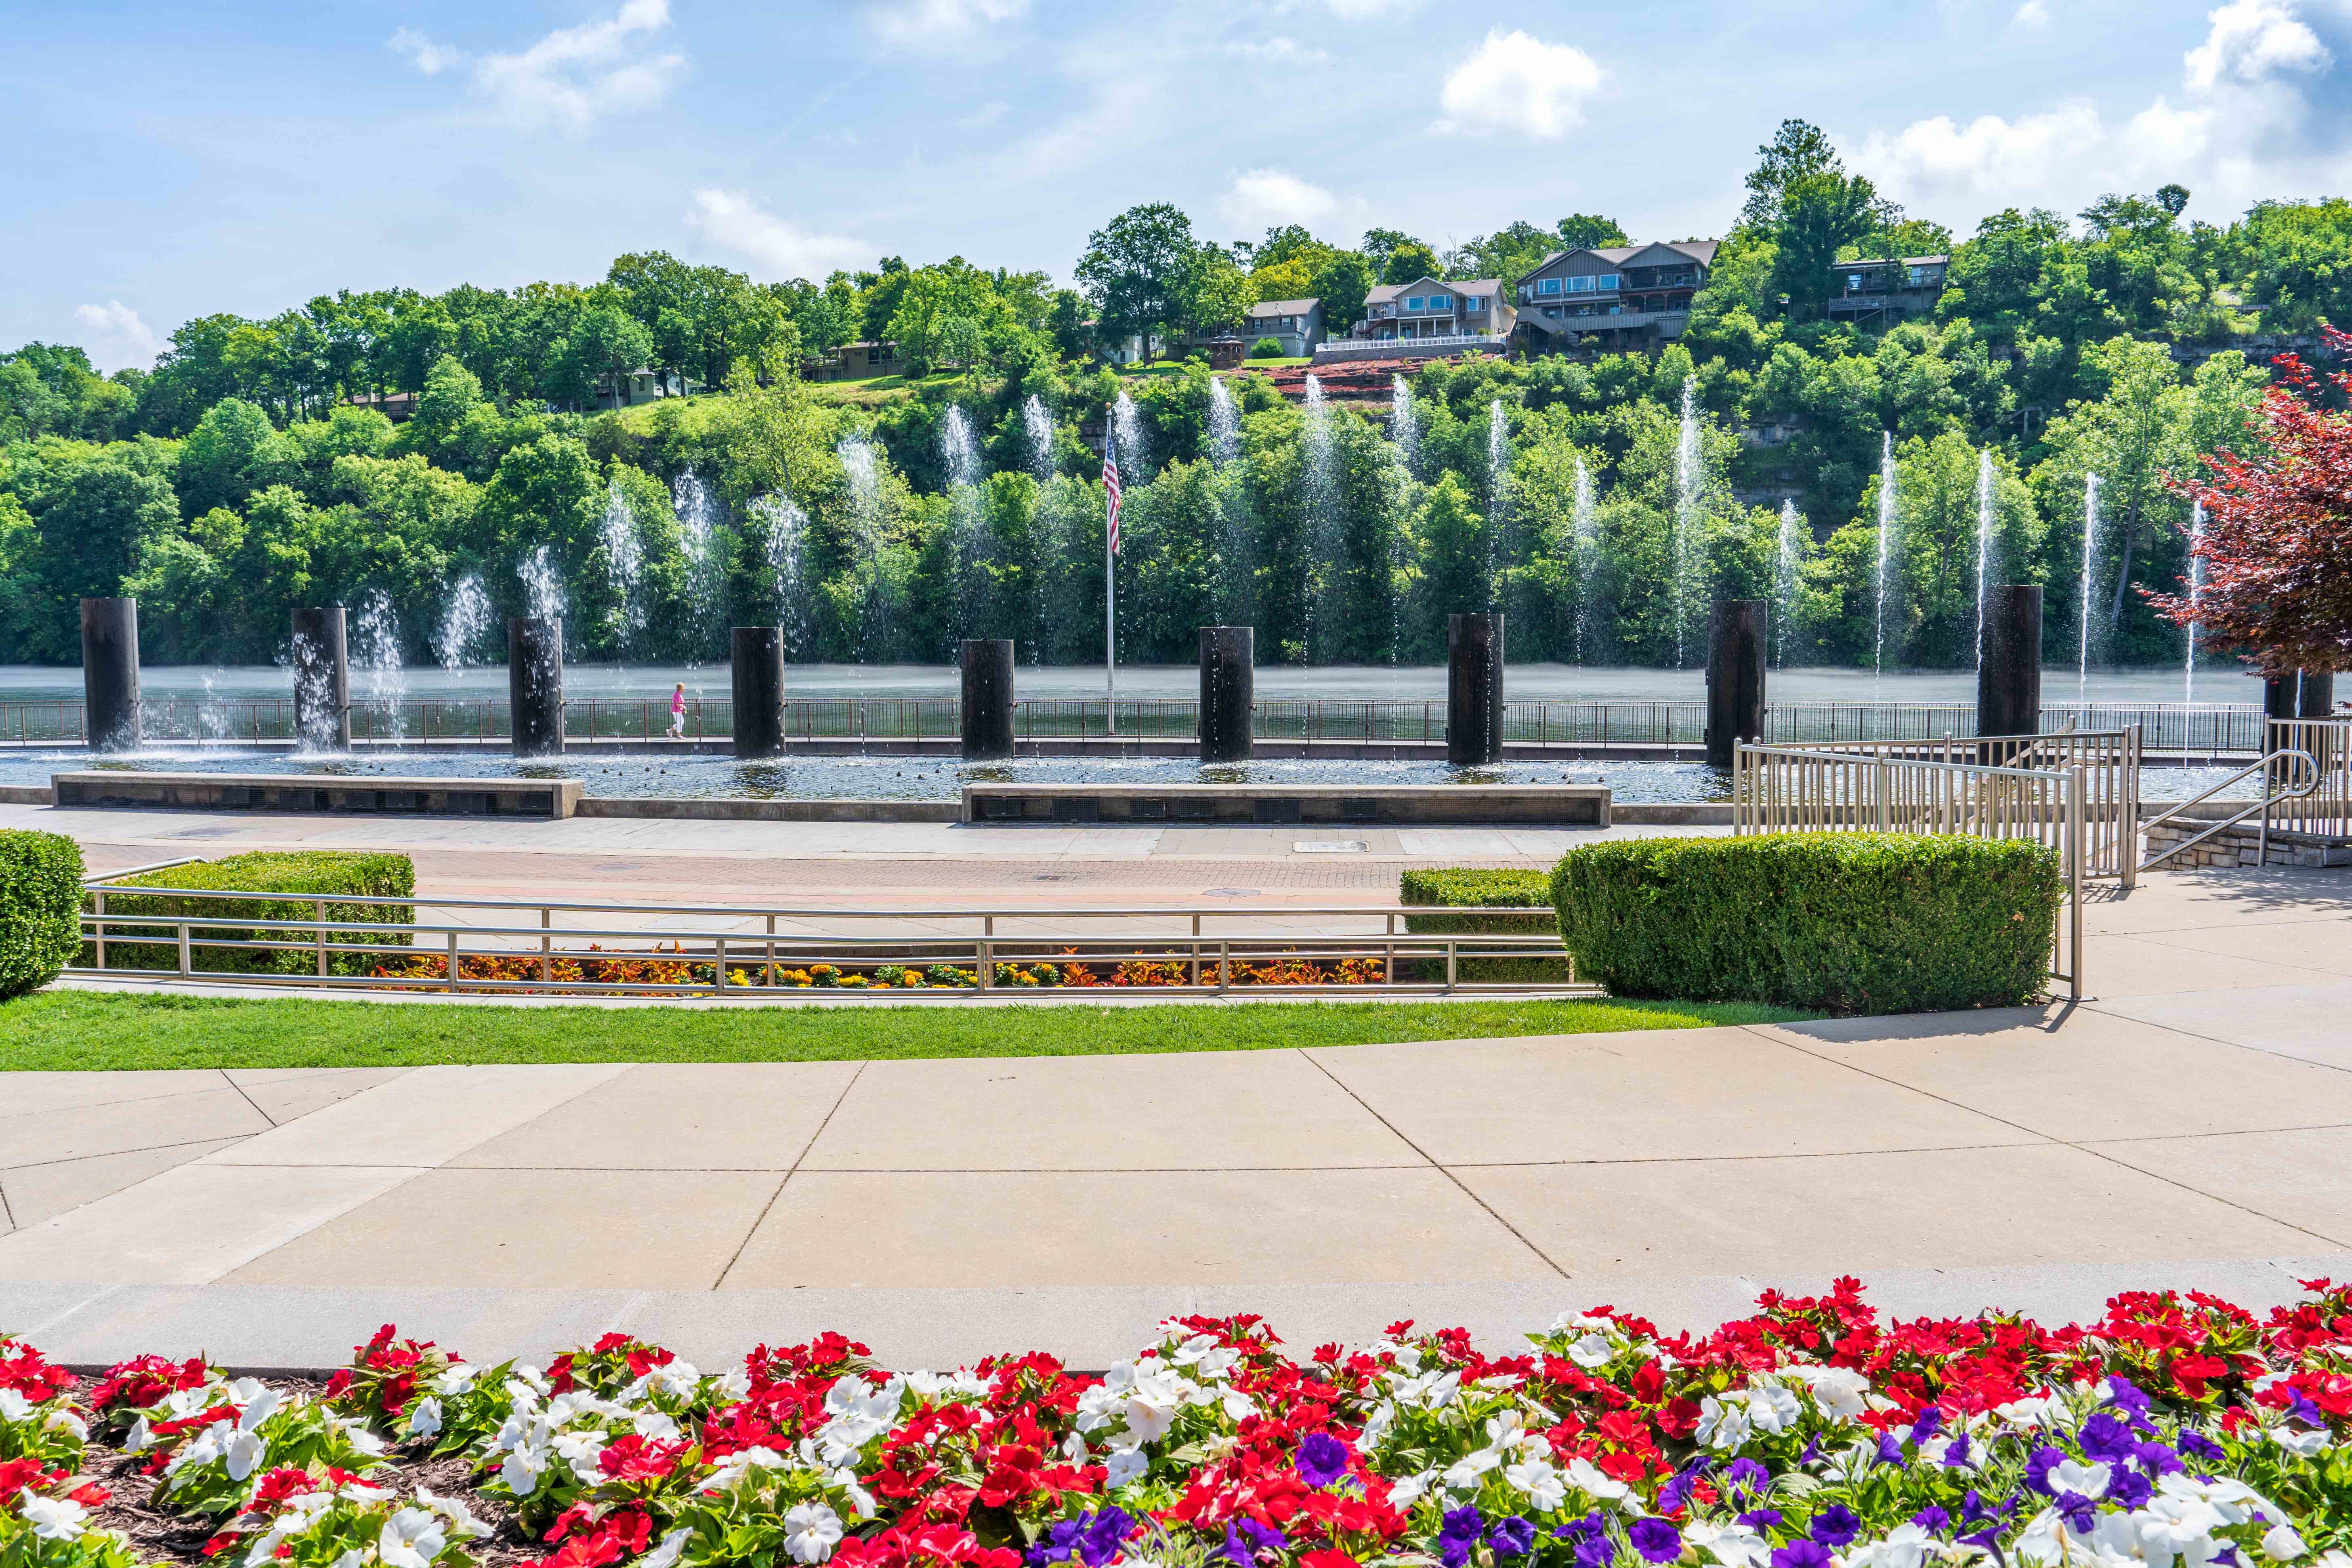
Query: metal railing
(2325,809)
(1924,788)
(2216,730)
(2287,776)
(1198,954)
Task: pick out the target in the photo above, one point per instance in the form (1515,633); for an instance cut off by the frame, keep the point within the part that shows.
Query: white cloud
(735,221)
(1988,156)
(1519,84)
(122,338)
(1278,51)
(986,115)
(572,77)
(941,24)
(2251,39)
(1262,198)
(2030,13)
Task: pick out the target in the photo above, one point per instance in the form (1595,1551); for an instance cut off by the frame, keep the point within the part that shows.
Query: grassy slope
(65,1031)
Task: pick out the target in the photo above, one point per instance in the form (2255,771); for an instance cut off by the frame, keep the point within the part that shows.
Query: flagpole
(1110,589)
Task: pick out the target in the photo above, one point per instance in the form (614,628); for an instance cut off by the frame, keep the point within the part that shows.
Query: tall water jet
(623,566)
(1322,509)
(968,521)
(1584,539)
(1499,500)
(543,584)
(1037,428)
(1887,523)
(1134,447)
(464,621)
(1786,558)
(1686,481)
(2195,591)
(375,649)
(1987,495)
(1404,423)
(2091,483)
(866,524)
(705,573)
(1224,422)
(784,540)
(320,644)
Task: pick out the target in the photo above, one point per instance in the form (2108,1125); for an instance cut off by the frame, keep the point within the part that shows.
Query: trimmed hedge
(1849,923)
(1265,348)
(1482,888)
(40,909)
(297,877)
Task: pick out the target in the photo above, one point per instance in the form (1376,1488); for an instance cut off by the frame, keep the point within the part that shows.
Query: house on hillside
(633,387)
(1885,290)
(1298,323)
(1430,308)
(1627,296)
(859,360)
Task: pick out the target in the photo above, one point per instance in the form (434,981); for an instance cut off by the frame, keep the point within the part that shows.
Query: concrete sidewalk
(2197,1113)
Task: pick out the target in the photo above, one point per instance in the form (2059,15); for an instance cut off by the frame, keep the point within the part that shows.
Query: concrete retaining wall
(2242,845)
(550,798)
(1571,805)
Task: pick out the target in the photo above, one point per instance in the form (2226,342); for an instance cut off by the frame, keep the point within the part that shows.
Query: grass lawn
(75,1030)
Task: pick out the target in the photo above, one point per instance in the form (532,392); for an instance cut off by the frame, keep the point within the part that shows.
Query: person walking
(678,712)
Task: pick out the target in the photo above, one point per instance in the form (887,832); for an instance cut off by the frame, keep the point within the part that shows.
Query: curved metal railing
(2261,804)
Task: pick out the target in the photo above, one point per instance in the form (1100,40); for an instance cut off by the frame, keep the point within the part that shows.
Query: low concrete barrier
(734,809)
(549,798)
(1569,804)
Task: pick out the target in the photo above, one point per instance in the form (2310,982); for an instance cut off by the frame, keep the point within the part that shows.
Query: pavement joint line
(142,1148)
(249,1099)
(2069,1143)
(942,1170)
(2234,1132)
(2217,1039)
(97,1293)
(1459,1183)
(130,1100)
(2156,940)
(786,1180)
(6,1212)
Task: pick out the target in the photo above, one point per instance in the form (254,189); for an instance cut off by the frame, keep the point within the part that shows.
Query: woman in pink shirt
(678,712)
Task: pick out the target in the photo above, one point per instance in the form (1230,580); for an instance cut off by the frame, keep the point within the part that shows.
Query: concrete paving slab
(1240,1110)
(1629,1097)
(2162,962)
(1949,1208)
(564,1229)
(2303,1177)
(2325,945)
(2309,1023)
(284,1094)
(2095,1076)
(421,1118)
(219,1111)
(688,1116)
(32,1094)
(36,1192)
(191,1224)
(2188,900)
(1017,1228)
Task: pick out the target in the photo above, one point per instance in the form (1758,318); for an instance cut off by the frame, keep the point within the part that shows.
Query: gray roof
(1284,306)
(1384,292)
(1699,250)
(1894,262)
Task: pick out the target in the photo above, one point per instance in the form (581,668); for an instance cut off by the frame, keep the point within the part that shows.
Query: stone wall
(2242,845)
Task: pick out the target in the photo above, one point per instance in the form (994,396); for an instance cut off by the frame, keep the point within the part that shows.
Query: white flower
(52,1519)
(14,1406)
(411,1538)
(665,1554)
(1592,1351)
(182,1403)
(1905,1546)
(142,1434)
(1771,1407)
(1153,1403)
(811,1531)
(2281,1544)
(1463,1473)
(458,1378)
(1722,1422)
(2295,1440)
(1540,1483)
(735,1467)
(1238,1406)
(424,1418)
(1408,1491)
(654,1426)
(2088,1480)
(580,1450)
(1584,1477)
(1123,1465)
(458,1515)
(521,1470)
(1733,1545)
(1382,1418)
(1839,1393)
(244,1455)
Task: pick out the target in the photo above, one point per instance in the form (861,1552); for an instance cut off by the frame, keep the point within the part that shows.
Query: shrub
(293,881)
(1854,922)
(1482,888)
(40,909)
(1266,348)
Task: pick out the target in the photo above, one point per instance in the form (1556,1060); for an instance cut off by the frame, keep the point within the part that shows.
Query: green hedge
(1482,888)
(40,909)
(296,878)
(1850,922)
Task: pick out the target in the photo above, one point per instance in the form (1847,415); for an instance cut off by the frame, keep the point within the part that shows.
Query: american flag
(1110,483)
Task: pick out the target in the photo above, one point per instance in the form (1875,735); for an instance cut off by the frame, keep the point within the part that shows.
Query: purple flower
(1512,1537)
(1103,1536)
(1934,1521)
(1322,1460)
(2121,1391)
(1930,1422)
(1761,1519)
(1596,1551)
(2157,1459)
(1812,1453)
(1460,1533)
(1262,1539)
(2106,1440)
(1655,1540)
(1890,1449)
(1061,1540)
(2129,1489)
(2304,1411)
(1802,1554)
(2038,1465)
(2197,1445)
(1956,1453)
(1747,1476)
(1836,1525)
(1674,1495)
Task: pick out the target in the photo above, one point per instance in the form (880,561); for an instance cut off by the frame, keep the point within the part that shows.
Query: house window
(1440,301)
(1550,285)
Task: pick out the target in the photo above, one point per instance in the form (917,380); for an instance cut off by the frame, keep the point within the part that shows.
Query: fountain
(1224,422)
(783,529)
(1687,475)
(542,586)
(969,532)
(2090,560)
(1322,509)
(1584,538)
(2195,591)
(857,455)
(464,623)
(1784,580)
(706,575)
(1037,426)
(1887,523)
(1986,498)
(624,566)
(1134,449)
(1499,500)
(376,651)
(1404,423)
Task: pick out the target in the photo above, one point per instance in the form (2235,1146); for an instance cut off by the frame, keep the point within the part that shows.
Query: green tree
(1137,268)
(1409,261)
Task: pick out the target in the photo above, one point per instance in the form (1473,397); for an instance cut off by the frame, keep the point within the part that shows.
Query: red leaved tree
(2277,545)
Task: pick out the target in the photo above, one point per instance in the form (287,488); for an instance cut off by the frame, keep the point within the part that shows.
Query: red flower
(633,1458)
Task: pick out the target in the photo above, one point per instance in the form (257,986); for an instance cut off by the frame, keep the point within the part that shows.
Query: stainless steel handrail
(2261,802)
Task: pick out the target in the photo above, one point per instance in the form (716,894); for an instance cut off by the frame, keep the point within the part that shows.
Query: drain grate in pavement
(1231,894)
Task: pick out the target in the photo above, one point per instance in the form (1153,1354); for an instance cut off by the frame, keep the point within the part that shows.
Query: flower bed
(2176,1429)
(660,969)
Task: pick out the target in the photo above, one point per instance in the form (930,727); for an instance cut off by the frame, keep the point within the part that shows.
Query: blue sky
(170,159)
